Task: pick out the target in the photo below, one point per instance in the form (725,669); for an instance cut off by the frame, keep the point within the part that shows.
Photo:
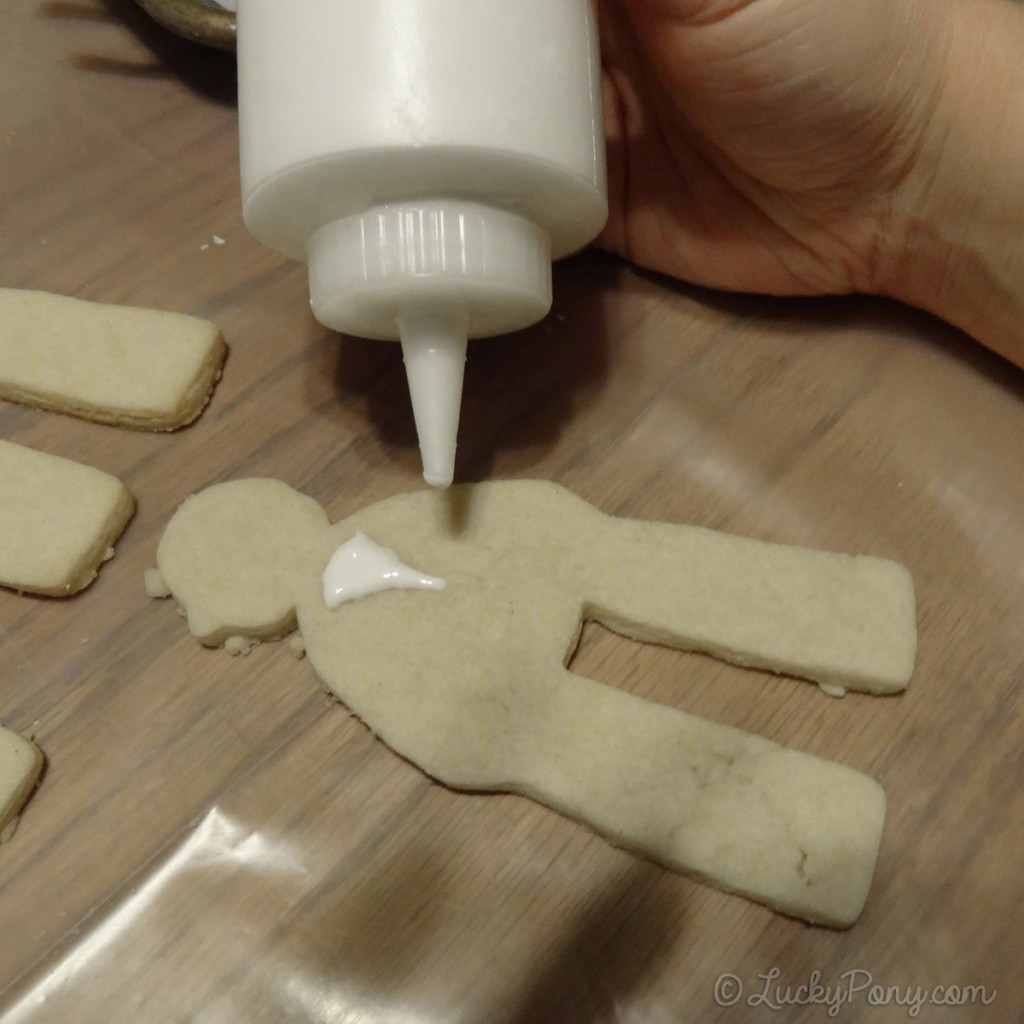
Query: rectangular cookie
(139,368)
(58,521)
(21,761)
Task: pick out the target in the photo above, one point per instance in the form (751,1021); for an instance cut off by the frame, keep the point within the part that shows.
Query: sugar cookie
(139,368)
(470,682)
(58,521)
(21,761)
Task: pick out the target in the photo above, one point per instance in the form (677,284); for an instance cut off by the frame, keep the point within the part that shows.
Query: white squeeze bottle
(428,159)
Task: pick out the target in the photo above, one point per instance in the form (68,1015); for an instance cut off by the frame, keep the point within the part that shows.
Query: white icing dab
(361,567)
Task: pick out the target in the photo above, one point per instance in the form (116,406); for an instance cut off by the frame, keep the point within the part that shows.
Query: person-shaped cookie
(470,682)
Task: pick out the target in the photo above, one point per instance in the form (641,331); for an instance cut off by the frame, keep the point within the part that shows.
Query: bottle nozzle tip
(440,480)
(434,348)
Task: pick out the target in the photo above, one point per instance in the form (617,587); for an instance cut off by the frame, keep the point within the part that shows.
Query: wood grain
(214,840)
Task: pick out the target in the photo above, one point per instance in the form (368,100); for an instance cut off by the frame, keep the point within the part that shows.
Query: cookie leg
(58,521)
(723,806)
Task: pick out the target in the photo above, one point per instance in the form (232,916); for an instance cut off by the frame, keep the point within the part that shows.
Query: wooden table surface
(216,841)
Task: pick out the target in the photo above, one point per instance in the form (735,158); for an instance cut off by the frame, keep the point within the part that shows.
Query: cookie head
(231,552)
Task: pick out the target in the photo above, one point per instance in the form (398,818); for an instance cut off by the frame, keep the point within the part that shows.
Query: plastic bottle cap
(431,274)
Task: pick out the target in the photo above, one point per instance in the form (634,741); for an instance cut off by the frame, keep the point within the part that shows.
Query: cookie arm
(838,620)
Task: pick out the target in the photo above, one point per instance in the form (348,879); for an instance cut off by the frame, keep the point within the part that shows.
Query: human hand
(822,147)
(759,145)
